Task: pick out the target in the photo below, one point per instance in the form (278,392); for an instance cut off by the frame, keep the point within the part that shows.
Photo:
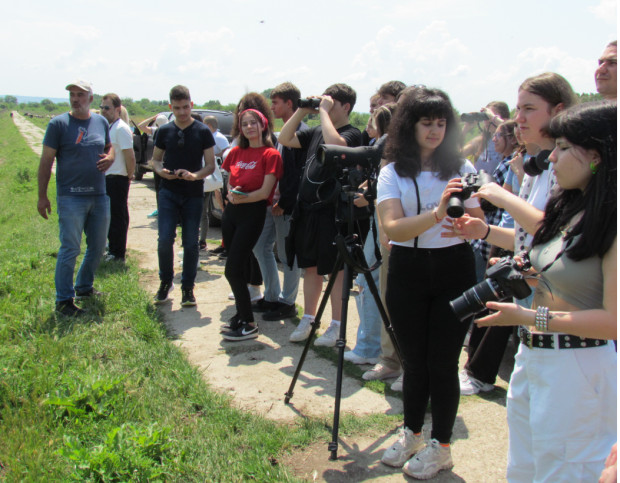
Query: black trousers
(420,285)
(486,350)
(117,188)
(242,225)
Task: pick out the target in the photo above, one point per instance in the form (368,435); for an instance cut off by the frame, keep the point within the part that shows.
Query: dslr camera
(474,117)
(334,156)
(313,102)
(504,280)
(537,164)
(472,182)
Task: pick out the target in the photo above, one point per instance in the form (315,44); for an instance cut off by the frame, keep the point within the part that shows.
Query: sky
(475,50)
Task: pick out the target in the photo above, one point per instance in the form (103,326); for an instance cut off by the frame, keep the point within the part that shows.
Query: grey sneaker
(380,372)
(397,385)
(330,336)
(430,461)
(162,294)
(407,445)
(302,331)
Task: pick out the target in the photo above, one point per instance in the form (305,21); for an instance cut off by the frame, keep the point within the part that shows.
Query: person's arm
(400,228)
(473,228)
(260,194)
(130,162)
(330,134)
(106,158)
(472,147)
(144,125)
(158,164)
(523,213)
(203,172)
(48,155)
(593,323)
(288,134)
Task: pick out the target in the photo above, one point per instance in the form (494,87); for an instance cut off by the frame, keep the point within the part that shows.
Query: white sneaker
(231,296)
(380,372)
(407,445)
(397,385)
(470,385)
(355,359)
(430,461)
(302,331)
(330,336)
(255,294)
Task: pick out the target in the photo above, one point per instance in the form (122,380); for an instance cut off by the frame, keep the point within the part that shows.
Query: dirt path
(257,373)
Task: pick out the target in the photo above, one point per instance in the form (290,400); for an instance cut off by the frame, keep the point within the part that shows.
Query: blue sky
(476,50)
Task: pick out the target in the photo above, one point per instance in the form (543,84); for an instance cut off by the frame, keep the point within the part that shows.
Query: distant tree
(10,99)
(589,97)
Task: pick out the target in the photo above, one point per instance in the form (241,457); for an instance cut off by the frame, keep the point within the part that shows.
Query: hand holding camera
(471,183)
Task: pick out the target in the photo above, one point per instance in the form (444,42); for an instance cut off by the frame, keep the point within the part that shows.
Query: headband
(260,115)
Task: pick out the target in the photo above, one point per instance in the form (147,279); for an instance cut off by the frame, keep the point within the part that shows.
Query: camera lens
(455,209)
(473,301)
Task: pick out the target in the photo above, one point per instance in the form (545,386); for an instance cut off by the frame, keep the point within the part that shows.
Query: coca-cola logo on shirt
(244,165)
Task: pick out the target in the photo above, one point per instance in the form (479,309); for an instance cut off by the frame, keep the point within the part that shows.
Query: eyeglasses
(105,108)
(181,141)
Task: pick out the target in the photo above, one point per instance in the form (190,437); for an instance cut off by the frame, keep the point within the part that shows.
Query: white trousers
(561,414)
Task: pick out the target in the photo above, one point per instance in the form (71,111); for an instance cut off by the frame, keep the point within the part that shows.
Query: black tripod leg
(384,316)
(315,325)
(340,344)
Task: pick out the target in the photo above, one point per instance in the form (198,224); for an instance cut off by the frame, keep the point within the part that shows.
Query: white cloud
(606,10)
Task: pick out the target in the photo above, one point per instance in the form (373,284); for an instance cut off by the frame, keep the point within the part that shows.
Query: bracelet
(437,219)
(541,321)
(487,233)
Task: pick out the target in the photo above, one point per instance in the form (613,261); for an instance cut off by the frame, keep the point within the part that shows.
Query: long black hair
(591,125)
(403,150)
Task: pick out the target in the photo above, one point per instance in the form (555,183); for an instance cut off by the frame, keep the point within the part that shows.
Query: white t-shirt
(392,186)
(121,138)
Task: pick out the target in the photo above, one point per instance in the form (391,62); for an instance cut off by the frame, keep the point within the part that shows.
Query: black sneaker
(162,294)
(188,299)
(233,324)
(263,305)
(88,293)
(69,309)
(247,330)
(223,255)
(202,245)
(282,311)
(218,250)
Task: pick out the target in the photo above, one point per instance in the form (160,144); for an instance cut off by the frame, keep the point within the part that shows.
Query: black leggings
(241,227)
(420,284)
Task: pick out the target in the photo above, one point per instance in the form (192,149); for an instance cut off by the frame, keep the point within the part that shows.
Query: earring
(593,168)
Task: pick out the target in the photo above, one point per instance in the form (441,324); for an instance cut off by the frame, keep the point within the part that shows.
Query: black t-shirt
(318,183)
(184,150)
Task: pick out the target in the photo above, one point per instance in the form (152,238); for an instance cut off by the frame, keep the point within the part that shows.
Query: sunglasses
(105,108)
(181,141)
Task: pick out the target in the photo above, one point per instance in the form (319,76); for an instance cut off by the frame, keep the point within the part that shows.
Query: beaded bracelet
(542,319)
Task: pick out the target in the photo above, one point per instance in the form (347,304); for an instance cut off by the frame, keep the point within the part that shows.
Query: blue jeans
(174,208)
(77,214)
(368,343)
(276,228)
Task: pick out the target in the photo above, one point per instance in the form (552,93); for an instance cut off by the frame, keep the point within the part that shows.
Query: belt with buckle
(561,341)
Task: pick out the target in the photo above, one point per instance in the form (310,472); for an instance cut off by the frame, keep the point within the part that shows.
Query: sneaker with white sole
(397,385)
(330,336)
(302,331)
(247,330)
(470,385)
(355,359)
(380,372)
(164,291)
(407,445)
(430,461)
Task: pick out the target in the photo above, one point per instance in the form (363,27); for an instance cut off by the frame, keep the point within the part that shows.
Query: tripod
(351,256)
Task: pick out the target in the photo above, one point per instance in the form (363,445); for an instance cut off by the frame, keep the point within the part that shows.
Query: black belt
(548,341)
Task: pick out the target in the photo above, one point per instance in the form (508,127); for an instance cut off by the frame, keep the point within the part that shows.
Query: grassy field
(108,397)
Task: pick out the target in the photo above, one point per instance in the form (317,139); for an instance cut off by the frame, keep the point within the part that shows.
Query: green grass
(108,397)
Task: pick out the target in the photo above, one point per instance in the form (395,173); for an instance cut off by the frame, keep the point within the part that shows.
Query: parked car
(143,149)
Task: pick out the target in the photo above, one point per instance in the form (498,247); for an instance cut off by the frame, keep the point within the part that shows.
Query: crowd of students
(553,201)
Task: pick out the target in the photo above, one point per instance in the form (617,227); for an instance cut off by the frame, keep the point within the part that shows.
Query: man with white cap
(80,142)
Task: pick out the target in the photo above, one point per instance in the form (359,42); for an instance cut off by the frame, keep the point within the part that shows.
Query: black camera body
(334,156)
(504,280)
(313,102)
(472,182)
(537,164)
(474,117)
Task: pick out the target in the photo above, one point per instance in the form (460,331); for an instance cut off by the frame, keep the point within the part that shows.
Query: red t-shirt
(248,167)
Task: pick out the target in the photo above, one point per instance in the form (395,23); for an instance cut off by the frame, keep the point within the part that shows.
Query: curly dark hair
(592,125)
(402,148)
(252,100)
